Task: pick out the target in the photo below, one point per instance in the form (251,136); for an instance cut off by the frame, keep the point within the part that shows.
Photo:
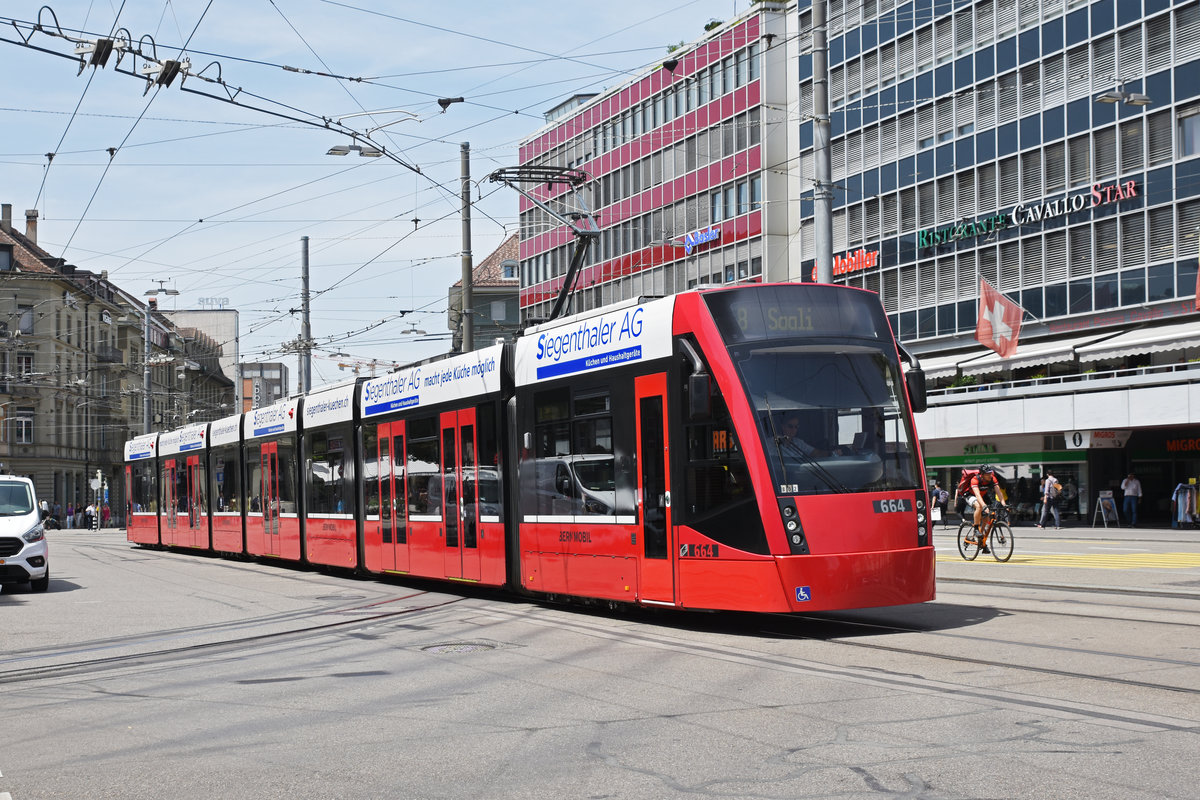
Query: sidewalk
(1155,530)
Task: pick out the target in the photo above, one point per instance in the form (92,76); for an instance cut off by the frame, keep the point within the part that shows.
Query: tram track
(33,672)
(877,628)
(890,676)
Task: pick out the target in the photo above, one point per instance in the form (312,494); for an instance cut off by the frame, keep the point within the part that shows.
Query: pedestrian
(57,514)
(105,515)
(1051,494)
(1132,488)
(941,501)
(89,514)
(70,515)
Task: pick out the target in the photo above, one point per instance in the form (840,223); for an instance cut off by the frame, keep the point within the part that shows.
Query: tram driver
(790,440)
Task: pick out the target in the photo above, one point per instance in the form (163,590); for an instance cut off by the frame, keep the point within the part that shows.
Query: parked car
(24,554)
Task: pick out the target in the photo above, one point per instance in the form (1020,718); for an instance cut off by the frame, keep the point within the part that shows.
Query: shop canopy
(1158,339)
(944,366)
(1032,354)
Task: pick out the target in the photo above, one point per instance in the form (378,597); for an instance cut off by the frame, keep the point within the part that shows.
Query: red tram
(745,448)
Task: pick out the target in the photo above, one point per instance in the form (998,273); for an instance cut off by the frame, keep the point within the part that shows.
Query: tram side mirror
(914,380)
(699,396)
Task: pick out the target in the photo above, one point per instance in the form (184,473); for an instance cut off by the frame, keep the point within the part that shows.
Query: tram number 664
(893,505)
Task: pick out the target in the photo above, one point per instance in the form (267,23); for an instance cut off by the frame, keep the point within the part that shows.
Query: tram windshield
(819,367)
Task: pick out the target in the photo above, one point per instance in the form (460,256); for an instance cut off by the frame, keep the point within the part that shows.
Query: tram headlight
(922,521)
(792,527)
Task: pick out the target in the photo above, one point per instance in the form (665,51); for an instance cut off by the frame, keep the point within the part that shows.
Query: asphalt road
(1071,671)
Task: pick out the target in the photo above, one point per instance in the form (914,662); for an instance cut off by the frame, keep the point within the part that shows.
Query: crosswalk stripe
(1092,560)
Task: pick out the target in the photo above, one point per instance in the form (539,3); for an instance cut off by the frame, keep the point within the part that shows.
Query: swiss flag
(999,321)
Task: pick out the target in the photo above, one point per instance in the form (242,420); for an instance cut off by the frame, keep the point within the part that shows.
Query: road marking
(1094,560)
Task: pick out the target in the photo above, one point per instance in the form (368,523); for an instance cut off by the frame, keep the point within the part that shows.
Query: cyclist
(985,489)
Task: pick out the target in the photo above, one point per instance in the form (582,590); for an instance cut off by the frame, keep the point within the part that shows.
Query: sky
(208,187)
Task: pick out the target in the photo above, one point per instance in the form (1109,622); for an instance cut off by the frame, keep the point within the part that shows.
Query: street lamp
(151,293)
(347,149)
(1120,95)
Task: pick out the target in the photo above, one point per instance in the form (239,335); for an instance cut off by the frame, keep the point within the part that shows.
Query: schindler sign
(1098,195)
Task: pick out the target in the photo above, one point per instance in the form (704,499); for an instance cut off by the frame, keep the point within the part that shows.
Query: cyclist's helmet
(986,468)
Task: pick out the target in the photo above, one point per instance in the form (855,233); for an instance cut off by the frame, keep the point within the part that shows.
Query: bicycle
(994,535)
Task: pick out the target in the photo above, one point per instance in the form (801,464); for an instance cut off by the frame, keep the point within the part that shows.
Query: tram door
(170,501)
(654,490)
(393,511)
(269,492)
(197,516)
(460,502)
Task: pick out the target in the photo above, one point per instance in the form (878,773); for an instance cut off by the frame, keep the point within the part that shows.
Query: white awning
(943,366)
(1031,354)
(1158,339)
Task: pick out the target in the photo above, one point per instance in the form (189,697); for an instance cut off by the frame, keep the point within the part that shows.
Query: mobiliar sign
(1098,195)
(854,262)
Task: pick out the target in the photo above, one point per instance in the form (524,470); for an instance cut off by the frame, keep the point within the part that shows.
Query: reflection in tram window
(329,484)
(144,486)
(226,477)
(424,456)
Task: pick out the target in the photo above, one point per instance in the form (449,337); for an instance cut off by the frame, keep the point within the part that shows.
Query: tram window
(226,478)
(144,487)
(200,501)
(592,404)
(370,468)
(287,477)
(424,457)
(175,484)
(575,471)
(328,481)
(488,446)
(718,499)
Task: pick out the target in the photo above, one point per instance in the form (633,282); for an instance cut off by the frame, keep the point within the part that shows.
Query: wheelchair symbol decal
(803,594)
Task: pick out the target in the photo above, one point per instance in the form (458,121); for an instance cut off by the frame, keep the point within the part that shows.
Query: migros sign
(1099,195)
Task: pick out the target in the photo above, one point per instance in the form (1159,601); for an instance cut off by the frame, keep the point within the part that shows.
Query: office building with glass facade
(1050,148)
(678,160)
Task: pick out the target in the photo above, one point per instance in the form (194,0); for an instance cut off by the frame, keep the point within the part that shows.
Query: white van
(24,554)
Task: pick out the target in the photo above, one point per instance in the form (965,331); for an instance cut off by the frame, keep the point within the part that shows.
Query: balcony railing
(107,354)
(1075,382)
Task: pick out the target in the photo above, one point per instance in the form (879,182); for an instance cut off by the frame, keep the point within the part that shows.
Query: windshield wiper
(816,466)
(820,471)
(775,435)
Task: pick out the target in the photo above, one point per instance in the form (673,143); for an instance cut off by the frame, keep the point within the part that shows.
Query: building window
(1189,131)
(508,269)
(6,258)
(26,323)
(22,426)
(24,363)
